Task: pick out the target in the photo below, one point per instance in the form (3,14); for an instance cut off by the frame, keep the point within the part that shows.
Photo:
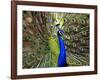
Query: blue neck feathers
(62,54)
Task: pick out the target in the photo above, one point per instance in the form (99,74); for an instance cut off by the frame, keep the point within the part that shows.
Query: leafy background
(40,41)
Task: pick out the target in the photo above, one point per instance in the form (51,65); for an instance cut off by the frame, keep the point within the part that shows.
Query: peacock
(55,39)
(62,55)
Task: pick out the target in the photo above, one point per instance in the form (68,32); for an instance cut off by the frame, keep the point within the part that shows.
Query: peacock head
(60,32)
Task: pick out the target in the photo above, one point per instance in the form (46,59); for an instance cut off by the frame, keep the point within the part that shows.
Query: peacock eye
(60,33)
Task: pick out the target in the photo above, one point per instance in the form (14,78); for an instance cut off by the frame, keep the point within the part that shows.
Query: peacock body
(42,44)
(62,55)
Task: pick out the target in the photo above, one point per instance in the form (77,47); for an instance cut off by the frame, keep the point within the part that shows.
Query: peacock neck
(62,54)
(61,42)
